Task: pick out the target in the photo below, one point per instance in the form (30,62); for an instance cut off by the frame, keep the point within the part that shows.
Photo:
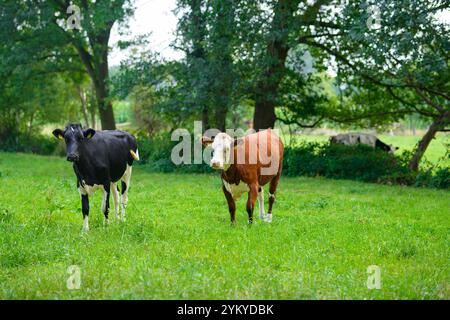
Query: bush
(357,162)
(440,179)
(37,143)
(155,154)
(361,163)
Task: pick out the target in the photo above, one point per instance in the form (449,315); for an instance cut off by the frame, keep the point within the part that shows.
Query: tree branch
(292,121)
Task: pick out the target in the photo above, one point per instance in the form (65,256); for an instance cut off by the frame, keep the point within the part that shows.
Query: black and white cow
(362,138)
(100,159)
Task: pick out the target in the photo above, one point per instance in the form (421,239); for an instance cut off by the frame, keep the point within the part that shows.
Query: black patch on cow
(381,145)
(101,159)
(85,205)
(124,187)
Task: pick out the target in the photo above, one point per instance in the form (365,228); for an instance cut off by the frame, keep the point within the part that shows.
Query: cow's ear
(59,134)
(206,141)
(89,133)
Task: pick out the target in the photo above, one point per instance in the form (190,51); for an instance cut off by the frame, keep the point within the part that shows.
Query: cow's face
(392,149)
(74,136)
(222,147)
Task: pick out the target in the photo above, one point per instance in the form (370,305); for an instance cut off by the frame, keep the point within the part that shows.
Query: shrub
(339,162)
(36,143)
(155,154)
(440,179)
(361,163)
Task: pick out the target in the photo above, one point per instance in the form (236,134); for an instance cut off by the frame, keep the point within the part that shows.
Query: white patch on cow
(350,139)
(89,190)
(392,149)
(236,190)
(86,223)
(116,198)
(367,139)
(262,214)
(105,194)
(126,178)
(222,147)
(271,195)
(268,218)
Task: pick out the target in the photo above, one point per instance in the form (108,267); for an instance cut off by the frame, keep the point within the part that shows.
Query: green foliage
(439,179)
(35,143)
(155,154)
(122,111)
(359,162)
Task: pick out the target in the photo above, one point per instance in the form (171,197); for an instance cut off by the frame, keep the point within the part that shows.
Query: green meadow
(177,242)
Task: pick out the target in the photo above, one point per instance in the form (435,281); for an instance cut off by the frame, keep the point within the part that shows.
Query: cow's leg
(272,190)
(261,203)
(252,194)
(116,198)
(125,187)
(105,202)
(231,205)
(85,210)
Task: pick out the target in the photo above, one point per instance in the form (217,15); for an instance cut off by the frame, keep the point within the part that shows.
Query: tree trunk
(102,93)
(205,118)
(277,50)
(264,116)
(220,116)
(105,110)
(83,101)
(423,144)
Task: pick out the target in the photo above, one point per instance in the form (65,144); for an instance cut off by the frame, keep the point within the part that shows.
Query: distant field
(177,242)
(434,153)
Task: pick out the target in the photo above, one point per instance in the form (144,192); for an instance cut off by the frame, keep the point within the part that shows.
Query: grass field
(177,242)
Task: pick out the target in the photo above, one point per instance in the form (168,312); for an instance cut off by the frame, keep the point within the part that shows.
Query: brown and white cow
(247,164)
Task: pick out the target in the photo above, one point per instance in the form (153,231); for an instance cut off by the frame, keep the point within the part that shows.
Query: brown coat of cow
(262,150)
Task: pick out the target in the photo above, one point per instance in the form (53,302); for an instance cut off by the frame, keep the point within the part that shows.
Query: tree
(91,43)
(290,21)
(44,24)
(403,60)
(191,39)
(222,70)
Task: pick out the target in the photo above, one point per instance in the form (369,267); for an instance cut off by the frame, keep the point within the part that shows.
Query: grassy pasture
(177,242)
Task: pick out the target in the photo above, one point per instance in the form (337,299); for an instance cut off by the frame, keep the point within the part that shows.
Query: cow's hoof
(262,216)
(268,218)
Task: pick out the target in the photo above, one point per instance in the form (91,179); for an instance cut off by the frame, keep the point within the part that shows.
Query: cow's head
(222,146)
(392,149)
(74,136)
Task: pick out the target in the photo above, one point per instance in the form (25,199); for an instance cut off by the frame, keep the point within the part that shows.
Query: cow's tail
(135,155)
